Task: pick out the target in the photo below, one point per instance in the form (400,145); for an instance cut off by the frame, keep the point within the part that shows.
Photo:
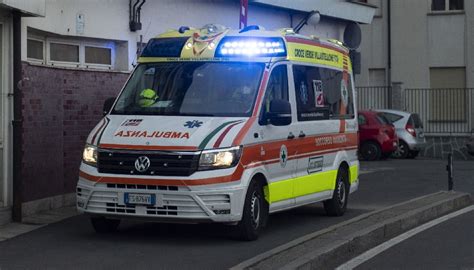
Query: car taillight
(411,130)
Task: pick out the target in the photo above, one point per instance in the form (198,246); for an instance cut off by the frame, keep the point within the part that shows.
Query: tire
(104,225)
(337,205)
(413,154)
(370,151)
(402,150)
(255,214)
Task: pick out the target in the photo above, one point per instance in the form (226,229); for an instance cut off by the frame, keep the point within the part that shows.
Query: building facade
(425,49)
(75,54)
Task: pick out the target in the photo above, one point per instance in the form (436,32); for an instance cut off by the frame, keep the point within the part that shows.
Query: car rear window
(392,117)
(382,119)
(415,121)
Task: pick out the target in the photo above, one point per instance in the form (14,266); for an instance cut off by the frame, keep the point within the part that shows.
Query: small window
(392,118)
(437,5)
(35,49)
(456,4)
(64,52)
(445,5)
(97,55)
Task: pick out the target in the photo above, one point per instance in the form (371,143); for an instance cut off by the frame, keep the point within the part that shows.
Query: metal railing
(374,97)
(443,111)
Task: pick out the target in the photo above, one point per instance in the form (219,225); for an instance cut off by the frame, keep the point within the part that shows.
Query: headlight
(89,156)
(219,159)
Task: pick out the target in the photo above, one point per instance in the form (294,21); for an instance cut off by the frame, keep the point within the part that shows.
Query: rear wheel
(255,213)
(370,151)
(337,205)
(104,225)
(402,150)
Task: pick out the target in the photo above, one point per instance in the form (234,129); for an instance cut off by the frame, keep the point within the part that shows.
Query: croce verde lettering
(308,54)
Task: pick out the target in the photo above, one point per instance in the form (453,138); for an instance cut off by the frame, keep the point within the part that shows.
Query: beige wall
(420,40)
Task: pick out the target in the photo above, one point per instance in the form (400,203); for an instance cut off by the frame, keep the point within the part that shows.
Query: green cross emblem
(283,156)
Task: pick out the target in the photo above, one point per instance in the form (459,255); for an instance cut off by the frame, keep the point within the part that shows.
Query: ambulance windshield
(191,88)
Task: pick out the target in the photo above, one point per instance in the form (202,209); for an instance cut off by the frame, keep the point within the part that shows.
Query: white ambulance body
(216,125)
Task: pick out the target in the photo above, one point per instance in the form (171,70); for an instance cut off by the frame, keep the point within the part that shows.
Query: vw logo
(142,164)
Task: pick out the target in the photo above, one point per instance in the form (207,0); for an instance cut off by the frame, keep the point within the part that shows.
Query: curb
(337,244)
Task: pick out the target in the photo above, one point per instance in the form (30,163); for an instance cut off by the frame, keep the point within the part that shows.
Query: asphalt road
(449,245)
(72,243)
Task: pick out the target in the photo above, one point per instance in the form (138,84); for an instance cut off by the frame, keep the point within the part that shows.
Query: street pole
(449,168)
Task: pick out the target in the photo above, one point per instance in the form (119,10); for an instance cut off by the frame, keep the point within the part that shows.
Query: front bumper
(173,204)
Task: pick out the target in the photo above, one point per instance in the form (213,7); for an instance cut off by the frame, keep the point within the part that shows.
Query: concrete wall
(420,39)
(60,107)
(374,47)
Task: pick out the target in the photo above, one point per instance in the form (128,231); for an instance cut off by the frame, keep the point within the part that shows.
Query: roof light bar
(251,46)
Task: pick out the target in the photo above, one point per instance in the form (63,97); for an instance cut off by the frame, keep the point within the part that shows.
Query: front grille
(161,163)
(173,205)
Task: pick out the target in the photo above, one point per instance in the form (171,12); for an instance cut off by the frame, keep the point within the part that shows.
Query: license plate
(141,199)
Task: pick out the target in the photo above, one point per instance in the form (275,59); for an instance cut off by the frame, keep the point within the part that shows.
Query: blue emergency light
(251,47)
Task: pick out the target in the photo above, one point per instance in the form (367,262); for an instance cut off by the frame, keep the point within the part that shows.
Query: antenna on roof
(312,18)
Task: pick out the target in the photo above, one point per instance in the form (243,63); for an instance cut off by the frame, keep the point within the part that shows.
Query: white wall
(108,19)
(420,40)
(33,7)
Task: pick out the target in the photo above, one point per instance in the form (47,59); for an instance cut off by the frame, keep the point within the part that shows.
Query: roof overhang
(339,9)
(33,8)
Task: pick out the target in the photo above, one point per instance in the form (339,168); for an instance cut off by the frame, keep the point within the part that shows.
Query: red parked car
(377,137)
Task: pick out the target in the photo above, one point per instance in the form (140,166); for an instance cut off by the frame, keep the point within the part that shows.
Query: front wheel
(255,213)
(337,205)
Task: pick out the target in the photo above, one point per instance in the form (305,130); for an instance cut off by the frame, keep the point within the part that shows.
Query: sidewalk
(37,221)
(329,248)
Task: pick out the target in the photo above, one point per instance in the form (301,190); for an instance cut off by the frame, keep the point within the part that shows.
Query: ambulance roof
(252,44)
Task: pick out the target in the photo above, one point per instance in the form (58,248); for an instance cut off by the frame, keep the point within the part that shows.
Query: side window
(322,93)
(277,87)
(361,120)
(392,117)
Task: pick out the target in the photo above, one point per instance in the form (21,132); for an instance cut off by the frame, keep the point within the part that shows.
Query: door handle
(302,135)
(291,136)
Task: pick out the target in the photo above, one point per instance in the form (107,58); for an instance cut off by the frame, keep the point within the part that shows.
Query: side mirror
(280,113)
(108,106)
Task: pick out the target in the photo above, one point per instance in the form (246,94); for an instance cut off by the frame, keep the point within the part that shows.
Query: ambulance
(227,126)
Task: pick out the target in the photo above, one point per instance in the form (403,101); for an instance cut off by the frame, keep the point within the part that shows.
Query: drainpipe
(17,120)
(389,40)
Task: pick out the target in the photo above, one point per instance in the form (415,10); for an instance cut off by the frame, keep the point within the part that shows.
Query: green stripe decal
(213,133)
